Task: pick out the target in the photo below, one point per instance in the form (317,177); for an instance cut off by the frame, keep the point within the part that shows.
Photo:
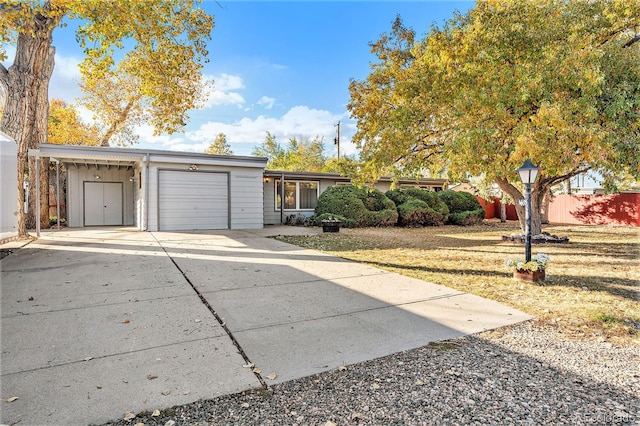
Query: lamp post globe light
(528,173)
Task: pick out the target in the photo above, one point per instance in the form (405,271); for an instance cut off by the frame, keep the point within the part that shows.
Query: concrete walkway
(100,322)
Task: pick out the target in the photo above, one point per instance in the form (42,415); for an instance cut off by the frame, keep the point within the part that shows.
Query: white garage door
(193,200)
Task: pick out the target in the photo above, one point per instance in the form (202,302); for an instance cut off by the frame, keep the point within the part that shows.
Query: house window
(298,195)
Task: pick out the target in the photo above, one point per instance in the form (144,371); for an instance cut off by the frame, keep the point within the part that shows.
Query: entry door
(102,203)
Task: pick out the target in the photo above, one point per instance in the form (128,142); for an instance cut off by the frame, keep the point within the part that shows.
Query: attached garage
(193,200)
(159,190)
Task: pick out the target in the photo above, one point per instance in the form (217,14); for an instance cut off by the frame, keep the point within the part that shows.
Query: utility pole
(336,141)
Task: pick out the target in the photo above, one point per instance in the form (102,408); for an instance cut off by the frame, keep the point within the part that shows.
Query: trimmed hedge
(363,206)
(473,217)
(464,208)
(419,207)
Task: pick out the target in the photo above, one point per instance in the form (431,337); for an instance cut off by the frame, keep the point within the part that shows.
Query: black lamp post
(528,173)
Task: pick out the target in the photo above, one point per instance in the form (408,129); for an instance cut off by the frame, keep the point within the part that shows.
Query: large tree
(554,81)
(162,43)
(301,155)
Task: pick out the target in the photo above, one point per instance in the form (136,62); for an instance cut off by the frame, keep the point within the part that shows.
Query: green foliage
(419,207)
(269,149)
(416,212)
(343,200)
(467,218)
(53,221)
(464,208)
(363,206)
(306,155)
(459,201)
(553,81)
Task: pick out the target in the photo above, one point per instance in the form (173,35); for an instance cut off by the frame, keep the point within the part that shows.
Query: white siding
(246,198)
(245,194)
(9,183)
(138,198)
(271,215)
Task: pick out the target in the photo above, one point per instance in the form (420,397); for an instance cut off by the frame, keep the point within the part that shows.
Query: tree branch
(548,182)
(632,41)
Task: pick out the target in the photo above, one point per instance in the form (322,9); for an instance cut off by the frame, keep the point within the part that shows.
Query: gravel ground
(519,375)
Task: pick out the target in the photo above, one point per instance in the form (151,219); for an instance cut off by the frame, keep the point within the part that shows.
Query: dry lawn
(592,285)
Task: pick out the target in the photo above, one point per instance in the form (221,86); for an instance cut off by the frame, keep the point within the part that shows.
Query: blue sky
(282,67)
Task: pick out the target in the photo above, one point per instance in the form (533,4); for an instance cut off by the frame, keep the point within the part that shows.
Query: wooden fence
(597,209)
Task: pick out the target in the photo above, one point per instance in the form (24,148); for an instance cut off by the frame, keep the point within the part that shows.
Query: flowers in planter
(537,263)
(331,220)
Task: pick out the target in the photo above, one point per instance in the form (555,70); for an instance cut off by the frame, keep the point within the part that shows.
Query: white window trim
(297,182)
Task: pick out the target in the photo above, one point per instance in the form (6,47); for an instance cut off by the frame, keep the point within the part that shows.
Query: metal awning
(91,156)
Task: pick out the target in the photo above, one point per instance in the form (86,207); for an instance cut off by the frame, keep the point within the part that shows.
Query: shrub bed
(356,207)
(419,207)
(464,208)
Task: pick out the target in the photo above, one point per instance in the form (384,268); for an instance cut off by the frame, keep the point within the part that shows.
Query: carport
(155,190)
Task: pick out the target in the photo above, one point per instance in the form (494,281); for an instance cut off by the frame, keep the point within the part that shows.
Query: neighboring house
(302,189)
(9,188)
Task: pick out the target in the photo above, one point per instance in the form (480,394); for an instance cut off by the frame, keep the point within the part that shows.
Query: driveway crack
(206,303)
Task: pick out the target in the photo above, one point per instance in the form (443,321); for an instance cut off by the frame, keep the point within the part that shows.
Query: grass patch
(608,319)
(445,345)
(596,272)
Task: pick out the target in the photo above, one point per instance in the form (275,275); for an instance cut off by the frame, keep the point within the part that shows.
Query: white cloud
(224,91)
(266,102)
(278,67)
(244,134)
(65,78)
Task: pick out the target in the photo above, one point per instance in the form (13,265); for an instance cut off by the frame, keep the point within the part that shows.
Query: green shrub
(362,206)
(343,200)
(473,217)
(459,201)
(53,221)
(417,213)
(419,207)
(380,210)
(464,208)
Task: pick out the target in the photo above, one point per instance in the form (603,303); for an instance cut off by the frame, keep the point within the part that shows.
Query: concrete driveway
(100,322)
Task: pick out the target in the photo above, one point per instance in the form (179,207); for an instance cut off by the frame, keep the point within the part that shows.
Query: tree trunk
(520,203)
(544,207)
(27,104)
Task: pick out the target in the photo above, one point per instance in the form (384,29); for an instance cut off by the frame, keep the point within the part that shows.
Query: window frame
(276,191)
